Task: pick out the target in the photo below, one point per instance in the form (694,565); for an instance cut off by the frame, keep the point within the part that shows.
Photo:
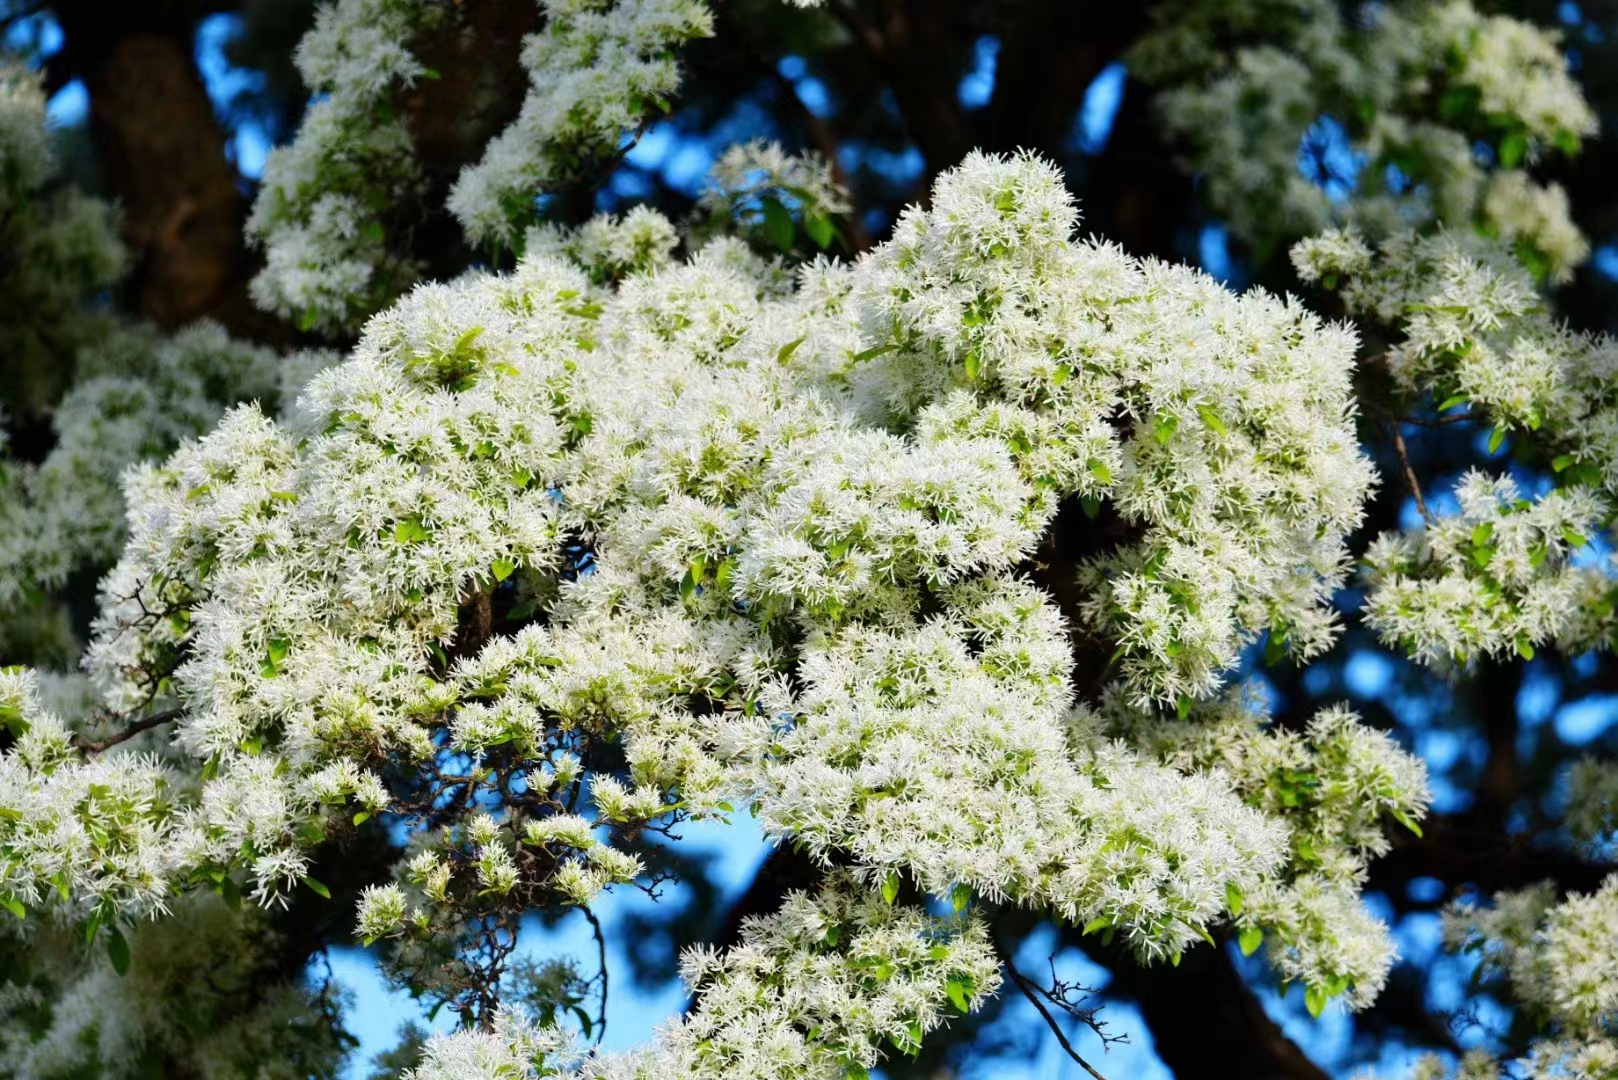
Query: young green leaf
(118,950)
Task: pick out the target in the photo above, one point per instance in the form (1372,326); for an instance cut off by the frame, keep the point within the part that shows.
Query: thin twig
(601,949)
(1027,989)
(146,724)
(1410,473)
(1437,421)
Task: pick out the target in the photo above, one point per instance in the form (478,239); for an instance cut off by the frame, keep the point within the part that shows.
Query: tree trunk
(163,152)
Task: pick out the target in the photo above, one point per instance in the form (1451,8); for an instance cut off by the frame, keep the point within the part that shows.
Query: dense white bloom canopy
(770,539)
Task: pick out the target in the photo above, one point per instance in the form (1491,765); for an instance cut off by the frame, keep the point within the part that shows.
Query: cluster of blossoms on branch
(549,563)
(1555,959)
(1467,339)
(618,540)
(1508,573)
(1386,105)
(599,72)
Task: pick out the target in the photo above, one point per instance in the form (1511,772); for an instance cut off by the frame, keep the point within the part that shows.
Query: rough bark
(1205,1021)
(163,152)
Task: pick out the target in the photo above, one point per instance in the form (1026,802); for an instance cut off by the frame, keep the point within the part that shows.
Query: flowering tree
(975,558)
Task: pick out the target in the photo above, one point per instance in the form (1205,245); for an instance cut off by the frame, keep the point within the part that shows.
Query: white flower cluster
(1474,331)
(1523,212)
(758,189)
(320,209)
(1407,90)
(138,396)
(1332,784)
(93,835)
(913,754)
(598,71)
(515,1048)
(1491,580)
(61,245)
(1592,803)
(822,989)
(1497,577)
(762,537)
(610,248)
(1235,457)
(1519,72)
(202,990)
(1560,960)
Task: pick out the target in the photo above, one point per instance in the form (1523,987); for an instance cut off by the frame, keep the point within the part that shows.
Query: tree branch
(1024,984)
(144,724)
(1410,473)
(601,952)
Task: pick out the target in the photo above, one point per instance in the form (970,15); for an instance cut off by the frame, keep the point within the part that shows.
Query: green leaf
(1250,939)
(1314,998)
(777,224)
(503,568)
(1574,538)
(362,817)
(1482,533)
(1182,706)
(1164,427)
(1525,648)
(316,887)
(1233,898)
(1090,505)
(1513,148)
(820,229)
(875,351)
(584,1020)
(890,887)
(118,950)
(1452,401)
(786,351)
(1100,922)
(1407,821)
(959,897)
(1497,438)
(1561,462)
(409,530)
(1100,471)
(13,905)
(959,990)
(1211,418)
